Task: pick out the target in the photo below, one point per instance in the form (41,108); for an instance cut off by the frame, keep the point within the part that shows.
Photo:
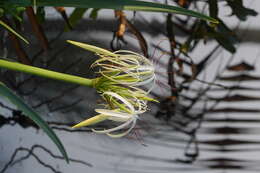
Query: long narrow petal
(115,128)
(92,48)
(146,81)
(91,121)
(124,133)
(115,116)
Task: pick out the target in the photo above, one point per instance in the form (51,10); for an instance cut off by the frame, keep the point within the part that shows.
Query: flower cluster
(121,75)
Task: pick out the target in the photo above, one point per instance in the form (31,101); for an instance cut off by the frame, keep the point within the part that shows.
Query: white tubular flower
(128,117)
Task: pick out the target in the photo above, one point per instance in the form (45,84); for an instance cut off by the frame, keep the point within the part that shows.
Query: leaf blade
(75,16)
(6,92)
(13,31)
(132,5)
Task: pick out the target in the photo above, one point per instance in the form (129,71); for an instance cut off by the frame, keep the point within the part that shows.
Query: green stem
(46,73)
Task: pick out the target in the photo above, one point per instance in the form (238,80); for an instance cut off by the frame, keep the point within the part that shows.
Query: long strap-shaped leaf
(6,92)
(12,31)
(133,5)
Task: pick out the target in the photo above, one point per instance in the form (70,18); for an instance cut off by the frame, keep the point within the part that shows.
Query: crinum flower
(122,67)
(135,96)
(128,116)
(127,68)
(121,74)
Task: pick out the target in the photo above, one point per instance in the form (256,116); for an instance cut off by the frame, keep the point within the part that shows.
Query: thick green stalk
(46,73)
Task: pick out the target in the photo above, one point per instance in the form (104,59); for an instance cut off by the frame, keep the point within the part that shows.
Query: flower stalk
(46,73)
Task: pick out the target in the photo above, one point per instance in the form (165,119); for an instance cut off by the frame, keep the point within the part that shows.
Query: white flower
(122,73)
(126,68)
(128,115)
(127,119)
(130,104)
(123,66)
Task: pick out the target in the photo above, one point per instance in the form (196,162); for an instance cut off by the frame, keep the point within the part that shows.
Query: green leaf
(224,36)
(224,42)
(15,11)
(1,12)
(132,5)
(213,8)
(94,13)
(6,92)
(75,16)
(239,10)
(40,15)
(13,31)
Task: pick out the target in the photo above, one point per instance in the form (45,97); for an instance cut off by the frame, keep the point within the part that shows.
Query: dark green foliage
(239,10)
(75,16)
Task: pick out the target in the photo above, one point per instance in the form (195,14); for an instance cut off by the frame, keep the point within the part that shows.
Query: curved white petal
(147,81)
(115,128)
(124,133)
(114,115)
